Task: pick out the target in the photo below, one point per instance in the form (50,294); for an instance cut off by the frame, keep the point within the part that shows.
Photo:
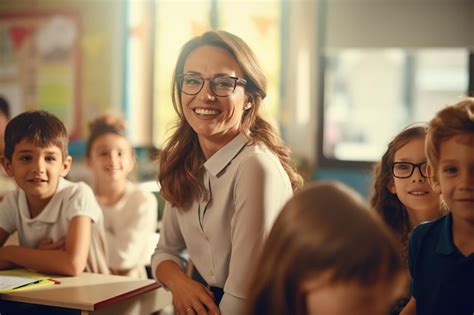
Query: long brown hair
(325,227)
(181,160)
(386,203)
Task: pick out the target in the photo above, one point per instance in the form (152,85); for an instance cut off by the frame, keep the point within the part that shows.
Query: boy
(59,223)
(441,252)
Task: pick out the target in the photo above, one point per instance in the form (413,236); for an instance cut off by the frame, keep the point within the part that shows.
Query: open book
(19,279)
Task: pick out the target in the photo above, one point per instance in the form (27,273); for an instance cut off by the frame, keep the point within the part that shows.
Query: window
(175,24)
(387,65)
(371,94)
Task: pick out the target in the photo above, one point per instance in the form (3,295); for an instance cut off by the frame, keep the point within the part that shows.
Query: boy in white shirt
(59,223)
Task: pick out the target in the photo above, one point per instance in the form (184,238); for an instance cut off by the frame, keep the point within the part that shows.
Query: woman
(224,173)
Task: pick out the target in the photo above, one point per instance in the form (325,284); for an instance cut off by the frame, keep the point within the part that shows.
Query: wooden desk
(98,294)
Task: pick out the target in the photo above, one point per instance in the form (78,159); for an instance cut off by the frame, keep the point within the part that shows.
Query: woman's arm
(262,187)
(166,260)
(187,293)
(71,261)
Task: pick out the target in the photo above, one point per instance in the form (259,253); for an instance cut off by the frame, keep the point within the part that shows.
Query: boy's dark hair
(4,107)
(39,127)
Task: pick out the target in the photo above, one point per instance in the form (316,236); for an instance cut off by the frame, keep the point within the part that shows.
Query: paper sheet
(13,282)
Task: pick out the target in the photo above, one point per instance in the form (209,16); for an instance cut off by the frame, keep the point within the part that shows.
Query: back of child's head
(383,200)
(324,228)
(38,127)
(102,125)
(4,107)
(454,120)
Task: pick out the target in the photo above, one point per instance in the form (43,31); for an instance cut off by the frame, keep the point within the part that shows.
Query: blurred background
(344,75)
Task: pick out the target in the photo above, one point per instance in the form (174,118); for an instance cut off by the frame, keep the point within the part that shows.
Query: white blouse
(248,187)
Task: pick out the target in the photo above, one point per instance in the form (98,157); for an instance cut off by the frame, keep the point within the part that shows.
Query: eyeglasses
(191,84)
(405,169)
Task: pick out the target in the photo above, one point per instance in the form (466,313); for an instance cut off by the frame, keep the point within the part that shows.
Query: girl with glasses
(224,173)
(401,192)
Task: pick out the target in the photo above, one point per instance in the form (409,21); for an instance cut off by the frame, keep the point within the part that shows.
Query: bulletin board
(40,64)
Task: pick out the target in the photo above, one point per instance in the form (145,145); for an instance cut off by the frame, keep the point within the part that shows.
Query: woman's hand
(189,297)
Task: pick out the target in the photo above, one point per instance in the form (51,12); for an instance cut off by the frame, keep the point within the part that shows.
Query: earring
(248,106)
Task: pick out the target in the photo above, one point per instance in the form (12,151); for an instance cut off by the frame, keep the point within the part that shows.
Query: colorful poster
(39,64)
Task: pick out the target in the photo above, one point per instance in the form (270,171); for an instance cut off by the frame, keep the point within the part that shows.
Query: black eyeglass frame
(236,80)
(413,167)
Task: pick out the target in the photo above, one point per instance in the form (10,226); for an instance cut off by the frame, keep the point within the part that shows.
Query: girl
(225,174)
(327,253)
(402,194)
(130,214)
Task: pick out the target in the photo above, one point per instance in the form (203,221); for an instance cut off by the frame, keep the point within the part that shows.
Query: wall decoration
(40,64)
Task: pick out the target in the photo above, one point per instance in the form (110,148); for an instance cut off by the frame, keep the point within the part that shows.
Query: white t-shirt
(130,230)
(70,200)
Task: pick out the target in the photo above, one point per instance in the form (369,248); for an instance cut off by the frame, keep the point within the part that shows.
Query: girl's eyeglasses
(406,169)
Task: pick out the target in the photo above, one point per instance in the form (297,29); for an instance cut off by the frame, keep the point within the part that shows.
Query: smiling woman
(213,110)
(224,173)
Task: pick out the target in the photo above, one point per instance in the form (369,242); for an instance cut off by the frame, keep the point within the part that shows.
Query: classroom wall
(388,23)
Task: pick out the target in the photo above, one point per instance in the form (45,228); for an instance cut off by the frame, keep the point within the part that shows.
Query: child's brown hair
(104,124)
(324,227)
(38,127)
(449,122)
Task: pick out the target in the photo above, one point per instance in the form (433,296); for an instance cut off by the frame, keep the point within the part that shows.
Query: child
(4,118)
(6,184)
(441,253)
(130,214)
(59,223)
(402,194)
(327,253)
